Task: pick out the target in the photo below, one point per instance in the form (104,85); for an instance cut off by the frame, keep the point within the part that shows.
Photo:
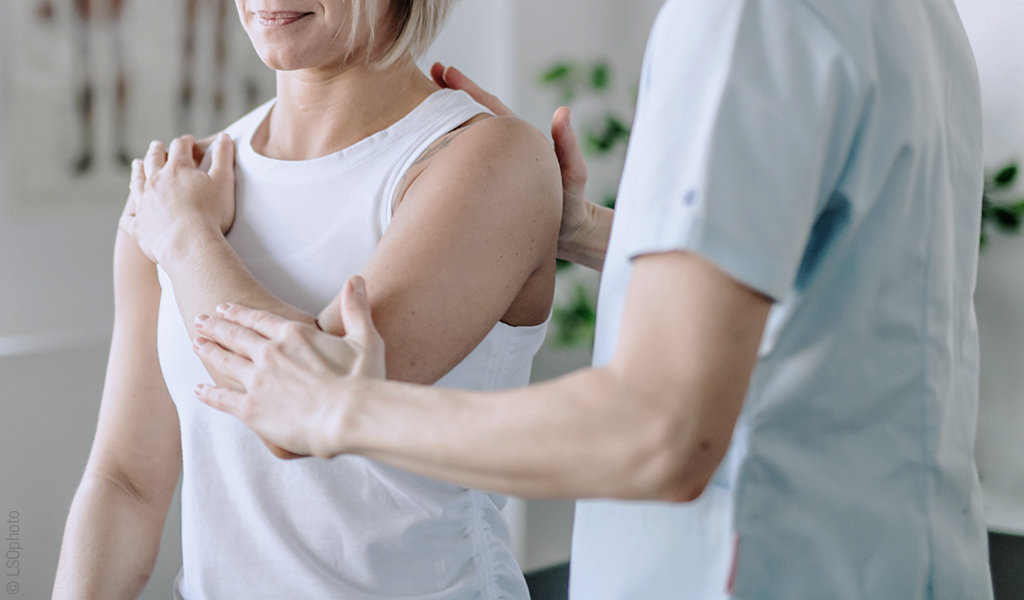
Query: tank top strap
(438,115)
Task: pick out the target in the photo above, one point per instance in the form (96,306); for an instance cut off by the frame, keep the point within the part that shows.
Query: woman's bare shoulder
(507,156)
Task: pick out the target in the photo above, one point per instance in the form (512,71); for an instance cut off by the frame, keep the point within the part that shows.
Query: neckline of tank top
(430,113)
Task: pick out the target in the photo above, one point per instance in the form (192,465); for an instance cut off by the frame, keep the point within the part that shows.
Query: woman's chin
(284,61)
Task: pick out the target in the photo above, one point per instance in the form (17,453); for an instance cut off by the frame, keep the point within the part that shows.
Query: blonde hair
(416,25)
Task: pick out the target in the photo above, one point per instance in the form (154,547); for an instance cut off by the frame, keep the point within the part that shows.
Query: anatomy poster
(85,85)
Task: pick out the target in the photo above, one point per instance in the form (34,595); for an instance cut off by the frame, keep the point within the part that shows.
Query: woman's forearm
(588,244)
(206,272)
(110,544)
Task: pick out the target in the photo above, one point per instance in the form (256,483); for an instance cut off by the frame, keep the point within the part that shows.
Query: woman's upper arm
(137,442)
(473,241)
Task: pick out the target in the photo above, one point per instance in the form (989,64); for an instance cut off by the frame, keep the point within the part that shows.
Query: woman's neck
(319,113)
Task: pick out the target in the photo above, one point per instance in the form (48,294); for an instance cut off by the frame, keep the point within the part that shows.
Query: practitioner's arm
(653,424)
(113,531)
(586,227)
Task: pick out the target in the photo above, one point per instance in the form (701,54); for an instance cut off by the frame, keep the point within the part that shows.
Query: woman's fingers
(199,150)
(181,152)
(136,188)
(223,166)
(454,79)
(156,158)
(262,322)
(226,360)
(358,321)
(137,184)
(569,153)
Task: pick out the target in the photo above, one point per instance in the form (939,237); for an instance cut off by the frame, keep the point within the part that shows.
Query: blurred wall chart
(85,85)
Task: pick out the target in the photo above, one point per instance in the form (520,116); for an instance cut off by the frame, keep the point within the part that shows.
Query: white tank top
(254,526)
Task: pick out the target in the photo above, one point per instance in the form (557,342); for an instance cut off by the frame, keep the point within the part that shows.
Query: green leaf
(559,72)
(1006,176)
(600,77)
(1007,220)
(609,202)
(575,321)
(605,140)
(562,265)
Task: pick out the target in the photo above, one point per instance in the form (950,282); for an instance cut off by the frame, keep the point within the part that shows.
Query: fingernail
(200,342)
(202,319)
(136,164)
(359,286)
(223,138)
(199,389)
(223,308)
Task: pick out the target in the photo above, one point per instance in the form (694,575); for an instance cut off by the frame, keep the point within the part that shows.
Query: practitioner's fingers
(234,338)
(238,404)
(281,452)
(358,321)
(155,159)
(262,322)
(569,153)
(454,79)
(437,74)
(223,166)
(223,360)
(223,399)
(181,152)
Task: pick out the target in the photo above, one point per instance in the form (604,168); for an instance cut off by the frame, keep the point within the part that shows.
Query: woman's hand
(172,199)
(291,371)
(577,211)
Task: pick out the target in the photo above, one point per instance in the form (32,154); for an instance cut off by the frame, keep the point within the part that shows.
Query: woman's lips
(279,19)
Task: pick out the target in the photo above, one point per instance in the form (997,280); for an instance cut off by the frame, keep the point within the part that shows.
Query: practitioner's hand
(292,372)
(171,198)
(576,210)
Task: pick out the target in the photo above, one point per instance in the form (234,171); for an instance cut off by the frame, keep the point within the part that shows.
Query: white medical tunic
(826,153)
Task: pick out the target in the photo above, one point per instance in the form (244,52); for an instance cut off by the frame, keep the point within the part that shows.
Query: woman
(361,165)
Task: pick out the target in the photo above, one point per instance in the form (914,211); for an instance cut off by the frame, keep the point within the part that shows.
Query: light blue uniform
(828,154)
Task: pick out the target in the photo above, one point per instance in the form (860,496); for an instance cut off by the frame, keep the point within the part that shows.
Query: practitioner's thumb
(358,322)
(569,153)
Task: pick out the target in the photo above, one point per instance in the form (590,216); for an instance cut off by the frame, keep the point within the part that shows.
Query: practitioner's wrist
(587,242)
(340,426)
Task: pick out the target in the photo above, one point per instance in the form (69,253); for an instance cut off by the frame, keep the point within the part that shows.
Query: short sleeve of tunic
(744,123)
